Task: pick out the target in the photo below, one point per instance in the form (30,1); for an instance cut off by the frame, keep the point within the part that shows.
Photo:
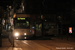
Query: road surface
(43,45)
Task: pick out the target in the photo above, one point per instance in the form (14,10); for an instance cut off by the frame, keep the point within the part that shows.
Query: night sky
(49,6)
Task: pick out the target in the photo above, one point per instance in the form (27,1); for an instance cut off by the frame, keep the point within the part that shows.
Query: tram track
(23,45)
(31,42)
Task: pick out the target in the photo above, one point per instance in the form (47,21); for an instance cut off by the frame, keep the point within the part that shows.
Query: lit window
(23,23)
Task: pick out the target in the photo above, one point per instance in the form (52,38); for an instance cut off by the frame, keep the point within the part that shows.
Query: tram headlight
(25,34)
(16,34)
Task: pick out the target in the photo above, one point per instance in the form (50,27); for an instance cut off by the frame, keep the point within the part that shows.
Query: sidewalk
(5,44)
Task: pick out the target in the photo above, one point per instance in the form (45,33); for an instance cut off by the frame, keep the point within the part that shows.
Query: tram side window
(50,26)
(38,27)
(27,22)
(23,23)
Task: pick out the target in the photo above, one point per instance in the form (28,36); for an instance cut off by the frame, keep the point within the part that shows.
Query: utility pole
(0,30)
(1,26)
(59,24)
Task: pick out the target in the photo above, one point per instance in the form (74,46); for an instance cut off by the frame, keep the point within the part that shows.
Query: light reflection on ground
(17,49)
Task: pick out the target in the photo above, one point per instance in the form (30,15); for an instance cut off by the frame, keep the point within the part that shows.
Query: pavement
(6,45)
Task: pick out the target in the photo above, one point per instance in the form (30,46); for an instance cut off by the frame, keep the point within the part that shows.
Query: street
(43,45)
(55,44)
